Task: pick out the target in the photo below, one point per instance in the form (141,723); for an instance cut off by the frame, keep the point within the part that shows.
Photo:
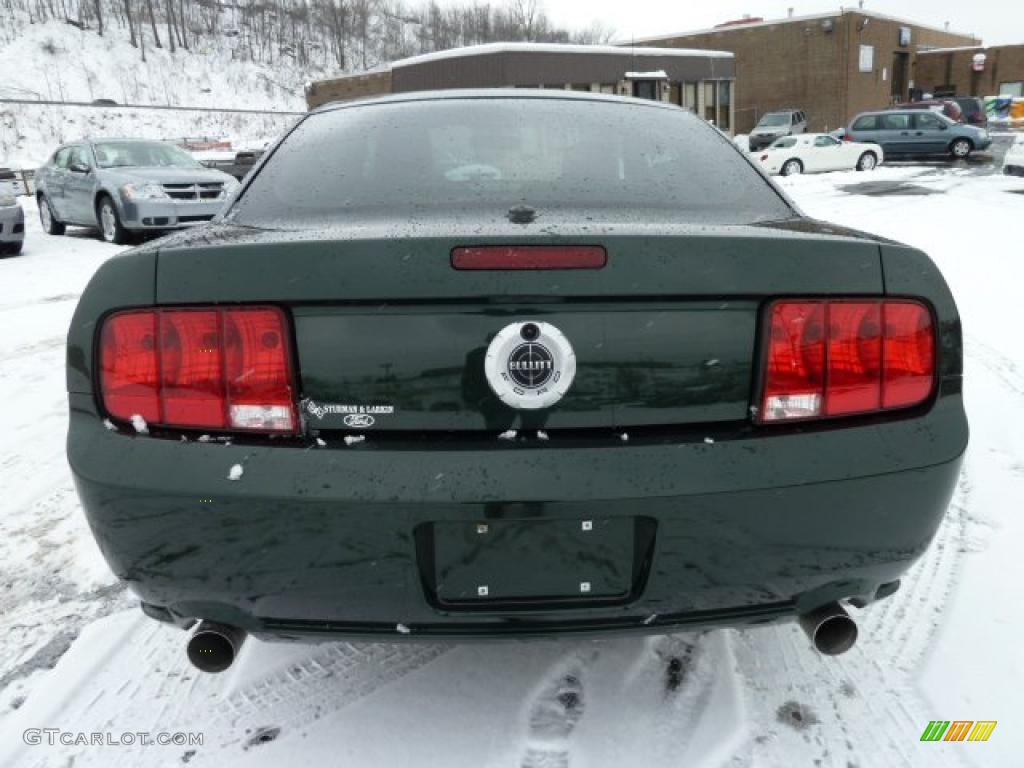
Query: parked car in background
(239,166)
(1013,162)
(104,103)
(946,107)
(482,372)
(911,132)
(815,152)
(123,186)
(973,110)
(12,221)
(783,122)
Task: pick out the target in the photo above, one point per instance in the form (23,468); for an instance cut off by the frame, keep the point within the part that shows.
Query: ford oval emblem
(359,420)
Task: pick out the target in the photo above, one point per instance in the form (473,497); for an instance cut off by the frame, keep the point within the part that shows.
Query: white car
(1013,163)
(814,152)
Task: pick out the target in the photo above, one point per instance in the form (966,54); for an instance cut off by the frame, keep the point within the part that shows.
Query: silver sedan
(121,186)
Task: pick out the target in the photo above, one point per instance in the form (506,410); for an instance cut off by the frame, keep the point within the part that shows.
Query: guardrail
(149,106)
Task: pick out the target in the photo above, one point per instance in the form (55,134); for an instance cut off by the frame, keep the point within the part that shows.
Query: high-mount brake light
(495,257)
(828,358)
(220,368)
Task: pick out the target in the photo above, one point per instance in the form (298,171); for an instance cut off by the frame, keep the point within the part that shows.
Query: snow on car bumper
(12,224)
(345,541)
(164,214)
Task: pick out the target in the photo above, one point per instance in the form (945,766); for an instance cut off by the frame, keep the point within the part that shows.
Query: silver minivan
(917,132)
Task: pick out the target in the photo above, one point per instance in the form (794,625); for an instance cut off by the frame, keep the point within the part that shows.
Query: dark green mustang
(501,363)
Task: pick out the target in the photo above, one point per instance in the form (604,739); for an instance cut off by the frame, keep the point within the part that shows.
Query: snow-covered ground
(946,646)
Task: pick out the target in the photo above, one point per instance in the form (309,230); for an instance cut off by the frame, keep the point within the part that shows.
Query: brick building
(971,71)
(830,65)
(701,80)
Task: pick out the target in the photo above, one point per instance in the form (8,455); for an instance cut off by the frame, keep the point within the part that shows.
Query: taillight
(530,257)
(199,368)
(836,358)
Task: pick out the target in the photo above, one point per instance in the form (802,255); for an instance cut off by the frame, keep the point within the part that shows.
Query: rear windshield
(459,154)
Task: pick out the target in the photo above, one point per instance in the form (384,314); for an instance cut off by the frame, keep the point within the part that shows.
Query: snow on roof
(489,48)
(658,74)
(798,19)
(951,50)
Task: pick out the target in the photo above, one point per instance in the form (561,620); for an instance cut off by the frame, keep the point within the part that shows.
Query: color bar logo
(958,730)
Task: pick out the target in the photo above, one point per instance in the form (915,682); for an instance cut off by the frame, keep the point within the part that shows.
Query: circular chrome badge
(530,365)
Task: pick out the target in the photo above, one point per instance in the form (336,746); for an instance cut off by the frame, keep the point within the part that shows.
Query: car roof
(886,112)
(454,94)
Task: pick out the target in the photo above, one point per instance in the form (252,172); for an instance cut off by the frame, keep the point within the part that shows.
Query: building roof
(455,94)
(492,48)
(729,28)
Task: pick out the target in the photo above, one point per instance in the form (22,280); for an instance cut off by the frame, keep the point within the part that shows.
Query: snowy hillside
(29,133)
(59,62)
(55,61)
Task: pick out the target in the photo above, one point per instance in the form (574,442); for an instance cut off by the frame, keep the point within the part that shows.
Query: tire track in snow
(862,708)
(1004,368)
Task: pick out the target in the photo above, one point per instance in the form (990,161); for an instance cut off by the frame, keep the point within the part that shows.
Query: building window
(609,88)
(867,58)
(581,86)
(675,94)
(710,100)
(690,96)
(724,102)
(1012,89)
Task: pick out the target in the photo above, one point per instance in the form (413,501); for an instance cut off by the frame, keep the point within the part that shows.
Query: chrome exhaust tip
(830,629)
(213,647)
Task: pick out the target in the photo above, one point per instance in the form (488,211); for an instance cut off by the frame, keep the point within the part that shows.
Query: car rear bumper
(341,541)
(12,224)
(163,214)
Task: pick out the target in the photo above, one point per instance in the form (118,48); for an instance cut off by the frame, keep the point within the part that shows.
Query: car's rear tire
(867,162)
(111,229)
(47,218)
(792,168)
(960,149)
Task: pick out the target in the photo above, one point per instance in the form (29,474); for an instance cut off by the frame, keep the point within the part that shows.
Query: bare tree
(152,23)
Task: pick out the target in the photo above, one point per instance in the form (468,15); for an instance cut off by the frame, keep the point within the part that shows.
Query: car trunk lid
(389,336)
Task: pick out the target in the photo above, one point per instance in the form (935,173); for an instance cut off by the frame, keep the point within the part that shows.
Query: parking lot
(731,698)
